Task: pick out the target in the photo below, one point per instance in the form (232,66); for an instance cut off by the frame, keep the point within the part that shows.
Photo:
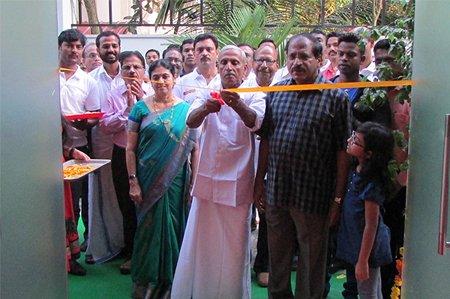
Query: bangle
(132,176)
(338,199)
(71,152)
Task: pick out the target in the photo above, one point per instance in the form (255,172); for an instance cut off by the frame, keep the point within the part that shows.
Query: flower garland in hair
(396,288)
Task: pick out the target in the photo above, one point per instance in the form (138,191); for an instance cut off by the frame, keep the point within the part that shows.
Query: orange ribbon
(292,87)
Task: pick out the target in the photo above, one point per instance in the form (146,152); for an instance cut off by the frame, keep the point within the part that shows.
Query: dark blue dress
(353,222)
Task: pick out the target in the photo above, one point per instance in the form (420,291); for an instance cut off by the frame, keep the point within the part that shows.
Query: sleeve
(114,120)
(372,193)
(258,105)
(202,96)
(178,90)
(135,118)
(265,129)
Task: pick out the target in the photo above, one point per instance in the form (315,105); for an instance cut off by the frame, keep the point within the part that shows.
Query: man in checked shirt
(303,150)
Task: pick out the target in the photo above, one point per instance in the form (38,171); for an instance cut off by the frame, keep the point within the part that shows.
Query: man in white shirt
(106,228)
(249,52)
(91,58)
(205,74)
(368,68)
(217,234)
(78,95)
(265,65)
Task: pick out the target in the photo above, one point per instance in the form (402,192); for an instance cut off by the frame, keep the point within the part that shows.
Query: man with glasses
(265,65)
(90,57)
(205,74)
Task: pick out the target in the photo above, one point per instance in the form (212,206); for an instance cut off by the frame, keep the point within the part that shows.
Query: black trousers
(126,205)
(80,192)
(262,247)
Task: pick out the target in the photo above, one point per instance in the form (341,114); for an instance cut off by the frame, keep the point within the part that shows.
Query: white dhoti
(214,261)
(106,238)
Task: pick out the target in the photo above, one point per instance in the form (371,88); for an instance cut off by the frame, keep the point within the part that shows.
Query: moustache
(297,69)
(204,58)
(229,73)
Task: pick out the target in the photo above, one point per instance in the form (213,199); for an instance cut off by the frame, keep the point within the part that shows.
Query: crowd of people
(190,157)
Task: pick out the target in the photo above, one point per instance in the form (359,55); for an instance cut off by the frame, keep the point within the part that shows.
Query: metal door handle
(444,197)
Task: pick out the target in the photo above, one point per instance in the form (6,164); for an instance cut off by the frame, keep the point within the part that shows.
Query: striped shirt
(305,130)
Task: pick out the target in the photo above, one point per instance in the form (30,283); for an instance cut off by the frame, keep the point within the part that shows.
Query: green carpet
(104,281)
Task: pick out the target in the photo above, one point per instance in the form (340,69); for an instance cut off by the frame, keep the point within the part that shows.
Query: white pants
(214,261)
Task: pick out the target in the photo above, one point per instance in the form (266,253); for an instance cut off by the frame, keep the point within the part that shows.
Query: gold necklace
(166,123)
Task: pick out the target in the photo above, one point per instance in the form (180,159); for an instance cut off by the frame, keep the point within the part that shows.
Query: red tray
(84,115)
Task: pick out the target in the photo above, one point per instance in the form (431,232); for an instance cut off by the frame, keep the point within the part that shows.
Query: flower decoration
(396,288)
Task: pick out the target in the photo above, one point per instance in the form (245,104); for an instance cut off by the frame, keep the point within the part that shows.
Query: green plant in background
(247,25)
(401,37)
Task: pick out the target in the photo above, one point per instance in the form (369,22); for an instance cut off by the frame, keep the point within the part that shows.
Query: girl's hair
(380,142)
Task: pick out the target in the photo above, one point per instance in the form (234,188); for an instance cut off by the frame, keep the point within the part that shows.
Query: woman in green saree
(158,148)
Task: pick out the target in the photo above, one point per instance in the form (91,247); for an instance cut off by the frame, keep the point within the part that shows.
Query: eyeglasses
(268,61)
(93,55)
(353,140)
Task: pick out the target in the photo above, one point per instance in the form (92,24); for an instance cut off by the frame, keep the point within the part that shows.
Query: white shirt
(250,83)
(369,71)
(281,74)
(251,75)
(326,65)
(104,82)
(78,94)
(102,144)
(188,92)
(227,147)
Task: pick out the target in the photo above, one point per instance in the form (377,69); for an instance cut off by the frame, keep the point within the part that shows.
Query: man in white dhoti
(214,260)
(106,223)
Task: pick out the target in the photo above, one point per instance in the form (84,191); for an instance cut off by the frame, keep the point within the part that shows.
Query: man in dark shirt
(304,138)
(350,58)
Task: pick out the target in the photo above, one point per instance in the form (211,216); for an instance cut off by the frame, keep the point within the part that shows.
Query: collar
(103,71)
(320,79)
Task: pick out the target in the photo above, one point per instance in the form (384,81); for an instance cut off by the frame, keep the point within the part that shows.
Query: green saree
(163,173)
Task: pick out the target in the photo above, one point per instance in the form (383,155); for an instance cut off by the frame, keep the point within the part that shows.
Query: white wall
(140,43)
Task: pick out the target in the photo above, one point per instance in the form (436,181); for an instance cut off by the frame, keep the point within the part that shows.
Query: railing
(138,21)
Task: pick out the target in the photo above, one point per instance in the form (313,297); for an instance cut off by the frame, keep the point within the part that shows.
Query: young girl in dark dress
(363,239)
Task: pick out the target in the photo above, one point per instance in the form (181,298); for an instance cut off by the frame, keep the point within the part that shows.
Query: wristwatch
(132,176)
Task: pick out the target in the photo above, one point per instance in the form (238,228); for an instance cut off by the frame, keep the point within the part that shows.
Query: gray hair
(233,47)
